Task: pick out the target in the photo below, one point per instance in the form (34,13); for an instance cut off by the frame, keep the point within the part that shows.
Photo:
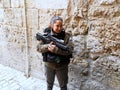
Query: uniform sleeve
(70,45)
(41,47)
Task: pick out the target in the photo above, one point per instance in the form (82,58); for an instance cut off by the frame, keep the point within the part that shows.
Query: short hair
(55,18)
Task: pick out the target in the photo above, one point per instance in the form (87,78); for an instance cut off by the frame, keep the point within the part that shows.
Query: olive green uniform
(58,69)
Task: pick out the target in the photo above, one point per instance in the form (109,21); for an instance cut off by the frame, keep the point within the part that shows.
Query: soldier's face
(57,26)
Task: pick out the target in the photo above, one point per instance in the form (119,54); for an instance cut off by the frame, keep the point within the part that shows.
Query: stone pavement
(11,79)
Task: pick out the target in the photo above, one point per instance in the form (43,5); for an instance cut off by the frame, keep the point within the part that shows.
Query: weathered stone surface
(118,1)
(77,74)
(15,3)
(106,2)
(32,18)
(30,4)
(93,85)
(79,43)
(3,47)
(95,29)
(104,37)
(15,17)
(6,3)
(106,70)
(16,47)
(1,3)
(1,15)
(100,12)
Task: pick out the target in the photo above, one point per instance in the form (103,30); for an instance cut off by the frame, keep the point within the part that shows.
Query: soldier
(56,60)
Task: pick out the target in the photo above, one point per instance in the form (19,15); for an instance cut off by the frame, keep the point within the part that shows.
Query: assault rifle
(48,38)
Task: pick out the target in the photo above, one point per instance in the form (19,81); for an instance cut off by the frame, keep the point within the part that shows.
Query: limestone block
(8,16)
(83,27)
(106,12)
(91,2)
(99,3)
(32,17)
(106,2)
(94,56)
(94,44)
(75,76)
(112,38)
(75,22)
(15,3)
(19,17)
(23,17)
(16,46)
(79,45)
(6,3)
(4,55)
(75,31)
(118,1)
(116,51)
(98,12)
(80,62)
(78,3)
(30,3)
(95,47)
(1,15)
(116,11)
(44,18)
(1,3)
(15,35)
(105,34)
(77,12)
(74,83)
(93,85)
(1,34)
(15,17)
(22,3)
(106,70)
(79,26)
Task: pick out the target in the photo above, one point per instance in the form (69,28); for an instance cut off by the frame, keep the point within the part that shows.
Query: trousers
(61,74)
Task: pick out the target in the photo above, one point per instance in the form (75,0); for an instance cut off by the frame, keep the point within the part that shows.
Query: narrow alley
(11,79)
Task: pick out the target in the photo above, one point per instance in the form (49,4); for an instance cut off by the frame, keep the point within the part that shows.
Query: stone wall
(95,29)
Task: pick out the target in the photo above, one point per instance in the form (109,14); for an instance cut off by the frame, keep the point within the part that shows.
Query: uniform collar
(53,33)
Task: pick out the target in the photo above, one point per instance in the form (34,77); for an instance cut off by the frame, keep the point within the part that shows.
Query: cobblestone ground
(11,79)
